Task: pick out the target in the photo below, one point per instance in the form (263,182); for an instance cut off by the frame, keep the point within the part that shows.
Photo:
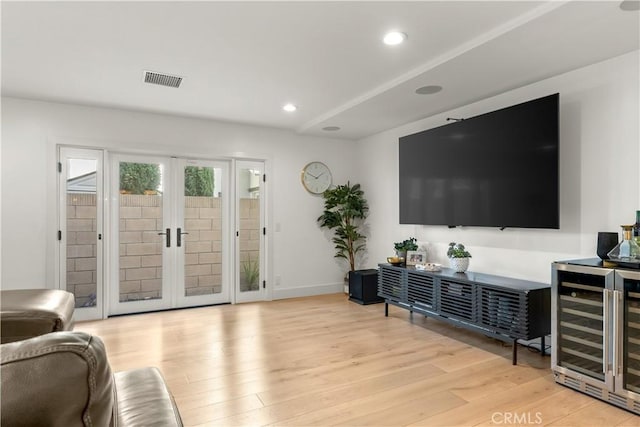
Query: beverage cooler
(595,330)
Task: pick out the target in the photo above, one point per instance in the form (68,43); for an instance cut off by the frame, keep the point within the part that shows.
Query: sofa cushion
(144,400)
(57,379)
(26,313)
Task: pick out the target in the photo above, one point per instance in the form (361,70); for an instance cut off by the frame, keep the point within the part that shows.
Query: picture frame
(416,257)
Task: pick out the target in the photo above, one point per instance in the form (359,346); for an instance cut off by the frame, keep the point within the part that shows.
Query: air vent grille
(594,391)
(618,400)
(162,79)
(571,382)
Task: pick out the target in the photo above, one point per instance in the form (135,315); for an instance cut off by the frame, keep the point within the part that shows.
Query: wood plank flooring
(323,360)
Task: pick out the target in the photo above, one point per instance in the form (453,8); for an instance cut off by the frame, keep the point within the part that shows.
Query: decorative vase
(606,242)
(627,250)
(403,255)
(460,265)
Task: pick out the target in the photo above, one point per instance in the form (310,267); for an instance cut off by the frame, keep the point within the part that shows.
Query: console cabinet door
(504,311)
(390,284)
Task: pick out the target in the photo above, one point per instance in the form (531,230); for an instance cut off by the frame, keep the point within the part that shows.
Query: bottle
(636,228)
(627,250)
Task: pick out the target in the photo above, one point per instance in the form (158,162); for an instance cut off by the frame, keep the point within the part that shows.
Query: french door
(80,229)
(250,231)
(169,233)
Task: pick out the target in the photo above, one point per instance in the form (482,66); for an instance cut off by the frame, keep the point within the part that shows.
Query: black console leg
(515,352)
(386,309)
(542,350)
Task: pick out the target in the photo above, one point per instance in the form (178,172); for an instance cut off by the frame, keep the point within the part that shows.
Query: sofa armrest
(26,313)
(61,379)
(143,399)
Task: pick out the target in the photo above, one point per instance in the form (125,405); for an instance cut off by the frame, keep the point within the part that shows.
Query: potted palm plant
(458,257)
(345,210)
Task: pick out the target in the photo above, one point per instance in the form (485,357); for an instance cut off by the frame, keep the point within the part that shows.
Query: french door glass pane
(141,221)
(249,228)
(81,234)
(203,230)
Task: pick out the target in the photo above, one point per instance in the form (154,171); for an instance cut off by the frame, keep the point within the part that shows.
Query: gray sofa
(64,379)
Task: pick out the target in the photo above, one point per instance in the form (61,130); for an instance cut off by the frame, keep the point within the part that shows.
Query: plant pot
(460,265)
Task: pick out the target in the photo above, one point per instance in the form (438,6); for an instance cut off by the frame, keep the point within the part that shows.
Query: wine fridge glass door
(584,327)
(627,356)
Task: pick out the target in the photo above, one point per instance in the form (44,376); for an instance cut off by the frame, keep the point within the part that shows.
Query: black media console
(500,307)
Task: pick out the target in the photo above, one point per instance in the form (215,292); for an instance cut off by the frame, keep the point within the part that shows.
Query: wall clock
(316,177)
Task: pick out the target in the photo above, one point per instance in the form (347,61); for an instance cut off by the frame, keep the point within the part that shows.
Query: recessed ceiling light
(393,38)
(428,90)
(630,5)
(289,108)
(331,128)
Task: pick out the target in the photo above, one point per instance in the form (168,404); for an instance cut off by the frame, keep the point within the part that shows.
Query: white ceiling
(241,61)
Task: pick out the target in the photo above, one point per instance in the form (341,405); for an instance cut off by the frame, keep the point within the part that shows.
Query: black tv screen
(498,169)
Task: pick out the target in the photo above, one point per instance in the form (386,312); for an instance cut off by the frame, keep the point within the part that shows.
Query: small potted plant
(458,257)
(404,246)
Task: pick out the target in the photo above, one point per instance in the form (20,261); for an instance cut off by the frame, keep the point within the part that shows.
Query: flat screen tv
(498,169)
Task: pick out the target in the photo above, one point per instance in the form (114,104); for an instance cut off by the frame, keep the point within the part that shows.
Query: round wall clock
(316,177)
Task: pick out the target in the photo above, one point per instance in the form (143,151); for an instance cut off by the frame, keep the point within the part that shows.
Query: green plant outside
(198,181)
(251,271)
(345,209)
(136,178)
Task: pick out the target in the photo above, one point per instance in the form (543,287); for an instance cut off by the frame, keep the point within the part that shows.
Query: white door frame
(261,293)
(108,224)
(64,153)
(168,299)
(179,222)
(173,256)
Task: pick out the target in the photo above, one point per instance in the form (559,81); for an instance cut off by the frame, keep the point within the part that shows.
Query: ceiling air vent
(162,79)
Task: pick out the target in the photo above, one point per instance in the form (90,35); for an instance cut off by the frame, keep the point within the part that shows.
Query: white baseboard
(307,291)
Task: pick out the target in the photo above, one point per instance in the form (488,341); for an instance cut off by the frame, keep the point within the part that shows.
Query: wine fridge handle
(617,297)
(605,330)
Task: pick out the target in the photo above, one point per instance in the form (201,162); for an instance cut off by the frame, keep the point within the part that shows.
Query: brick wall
(203,245)
(81,248)
(141,246)
(140,249)
(249,241)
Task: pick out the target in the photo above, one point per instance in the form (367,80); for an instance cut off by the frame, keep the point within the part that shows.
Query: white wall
(301,253)
(599,175)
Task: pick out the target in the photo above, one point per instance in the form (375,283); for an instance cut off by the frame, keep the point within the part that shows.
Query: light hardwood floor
(327,361)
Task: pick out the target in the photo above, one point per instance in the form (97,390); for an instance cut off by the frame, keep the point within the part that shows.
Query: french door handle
(168,238)
(179,236)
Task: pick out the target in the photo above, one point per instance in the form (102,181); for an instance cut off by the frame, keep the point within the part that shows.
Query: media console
(503,308)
